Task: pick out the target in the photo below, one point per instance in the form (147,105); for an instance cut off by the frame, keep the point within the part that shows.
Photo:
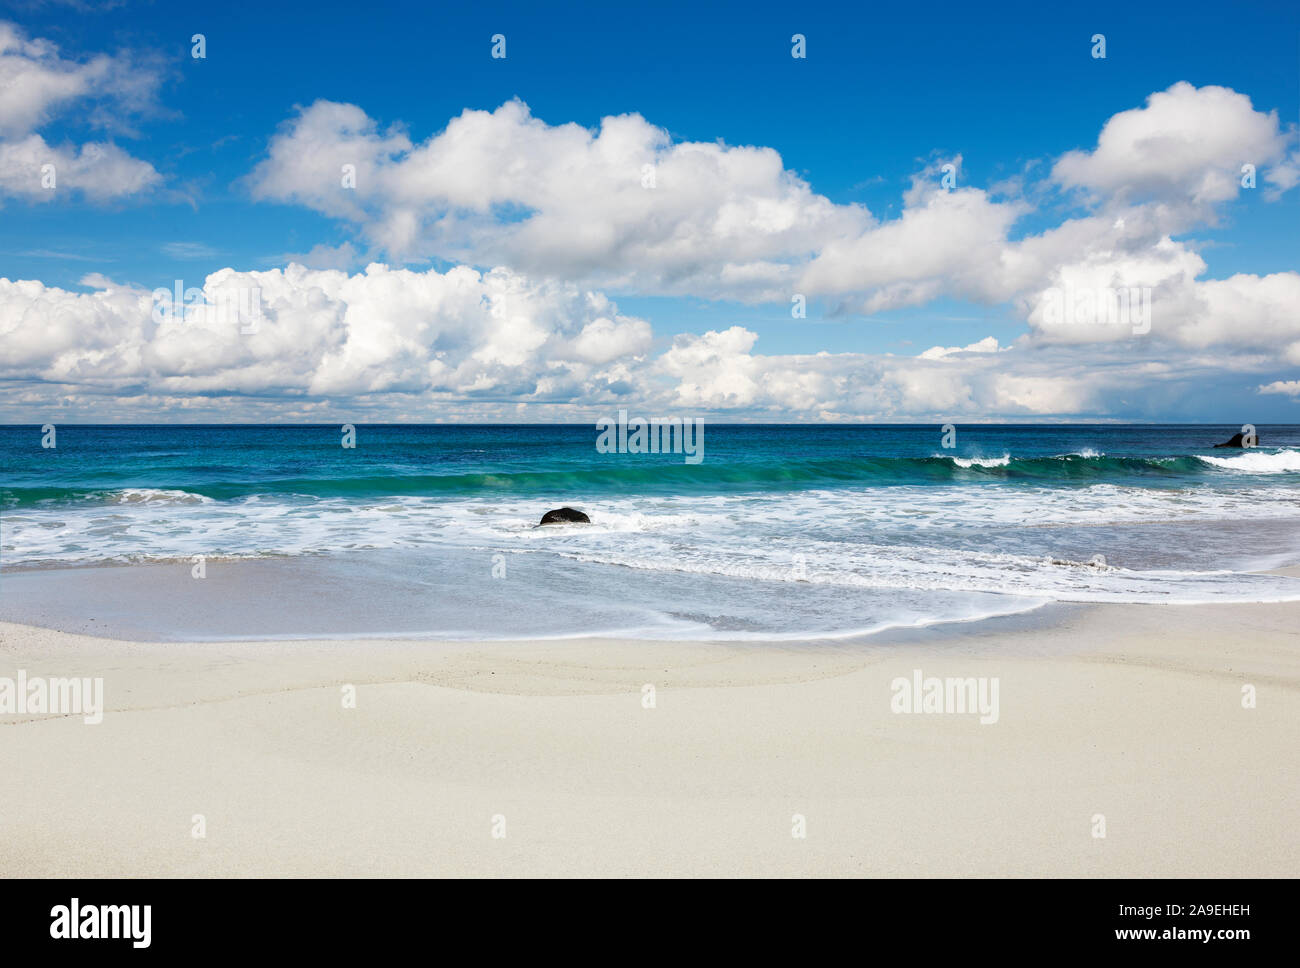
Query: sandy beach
(713,442)
(551,758)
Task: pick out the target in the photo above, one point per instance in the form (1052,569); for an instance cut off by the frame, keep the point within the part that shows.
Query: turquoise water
(232,462)
(778,531)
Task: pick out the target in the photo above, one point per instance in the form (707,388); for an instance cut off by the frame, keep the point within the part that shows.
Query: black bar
(974,918)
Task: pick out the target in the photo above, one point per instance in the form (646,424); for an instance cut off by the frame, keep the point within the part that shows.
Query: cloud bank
(301,342)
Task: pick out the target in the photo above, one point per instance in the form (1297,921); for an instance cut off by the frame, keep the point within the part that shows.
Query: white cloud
(621,206)
(100,171)
(1290,388)
(988,344)
(1119,296)
(1044,394)
(1186,147)
(562,201)
(1282,177)
(399,344)
(34,79)
(565,212)
(37,84)
(321,256)
(320,333)
(714,370)
(604,340)
(944,242)
(1244,310)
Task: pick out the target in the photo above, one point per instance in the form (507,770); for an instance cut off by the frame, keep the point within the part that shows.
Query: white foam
(152,495)
(864,538)
(1253,462)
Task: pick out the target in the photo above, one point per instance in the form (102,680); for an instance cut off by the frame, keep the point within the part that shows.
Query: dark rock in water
(565,516)
(1236,442)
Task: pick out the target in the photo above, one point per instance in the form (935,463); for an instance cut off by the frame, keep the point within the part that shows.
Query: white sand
(1134,712)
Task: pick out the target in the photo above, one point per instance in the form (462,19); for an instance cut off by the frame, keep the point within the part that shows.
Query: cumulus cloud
(621,206)
(720,371)
(1290,388)
(943,243)
(1186,147)
(37,84)
(319,333)
(624,208)
(1117,296)
(299,343)
(37,172)
(988,344)
(1155,172)
(546,219)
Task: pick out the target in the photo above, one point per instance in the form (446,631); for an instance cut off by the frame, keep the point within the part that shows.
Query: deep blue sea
(778,532)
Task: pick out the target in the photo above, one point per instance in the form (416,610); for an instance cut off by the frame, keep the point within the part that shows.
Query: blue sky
(883,97)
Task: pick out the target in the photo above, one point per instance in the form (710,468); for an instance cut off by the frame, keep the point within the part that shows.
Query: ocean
(779,532)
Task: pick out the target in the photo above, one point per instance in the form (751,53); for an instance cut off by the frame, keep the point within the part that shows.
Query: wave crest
(1281,462)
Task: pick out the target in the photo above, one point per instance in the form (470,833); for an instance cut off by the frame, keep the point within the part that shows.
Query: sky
(937,213)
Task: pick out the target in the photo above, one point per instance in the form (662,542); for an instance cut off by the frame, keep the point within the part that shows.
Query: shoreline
(159,602)
(1130,711)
